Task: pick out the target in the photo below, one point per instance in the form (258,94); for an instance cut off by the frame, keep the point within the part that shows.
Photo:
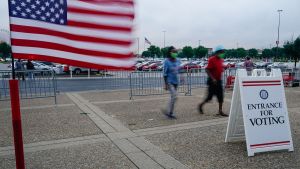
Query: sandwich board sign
(258,112)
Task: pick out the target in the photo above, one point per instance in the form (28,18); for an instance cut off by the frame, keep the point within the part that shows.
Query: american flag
(147,41)
(87,33)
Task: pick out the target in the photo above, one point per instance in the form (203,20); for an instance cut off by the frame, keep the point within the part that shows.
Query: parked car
(152,66)
(229,65)
(189,66)
(147,63)
(279,65)
(79,70)
(262,65)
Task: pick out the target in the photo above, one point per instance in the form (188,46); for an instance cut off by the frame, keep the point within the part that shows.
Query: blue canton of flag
(51,11)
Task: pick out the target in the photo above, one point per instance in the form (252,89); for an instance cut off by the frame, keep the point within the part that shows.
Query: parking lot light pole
(164,39)
(277,42)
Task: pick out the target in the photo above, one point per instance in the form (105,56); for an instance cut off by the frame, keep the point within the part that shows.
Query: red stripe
(69,62)
(44,31)
(55,46)
(121,2)
(98,26)
(124,2)
(285,144)
(270,84)
(271,143)
(265,81)
(102,13)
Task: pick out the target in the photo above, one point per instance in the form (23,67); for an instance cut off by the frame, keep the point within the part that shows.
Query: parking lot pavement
(204,147)
(44,124)
(145,113)
(62,99)
(107,130)
(292,97)
(102,154)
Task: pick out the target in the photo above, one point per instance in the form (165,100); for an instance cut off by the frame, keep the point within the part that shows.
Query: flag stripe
(98,26)
(55,46)
(101,13)
(72,56)
(109,34)
(43,31)
(70,62)
(102,7)
(120,2)
(72,43)
(100,20)
(94,33)
(75,44)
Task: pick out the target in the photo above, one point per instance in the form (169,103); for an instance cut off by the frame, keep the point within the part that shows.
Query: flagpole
(138,40)
(16,112)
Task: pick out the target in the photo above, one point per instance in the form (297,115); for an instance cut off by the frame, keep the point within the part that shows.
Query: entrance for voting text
(259,112)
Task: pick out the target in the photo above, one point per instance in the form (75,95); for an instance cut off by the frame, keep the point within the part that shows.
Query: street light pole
(199,42)
(164,39)
(277,42)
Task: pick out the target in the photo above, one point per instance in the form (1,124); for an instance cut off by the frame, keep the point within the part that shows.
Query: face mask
(174,55)
(222,55)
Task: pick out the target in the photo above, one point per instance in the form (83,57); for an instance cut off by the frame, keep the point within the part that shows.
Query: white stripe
(76,57)
(102,7)
(111,21)
(77,44)
(114,35)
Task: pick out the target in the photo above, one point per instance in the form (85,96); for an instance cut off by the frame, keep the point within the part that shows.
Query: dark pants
(215,89)
(20,75)
(173,98)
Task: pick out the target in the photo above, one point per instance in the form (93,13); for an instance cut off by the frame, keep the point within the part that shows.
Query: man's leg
(210,93)
(220,96)
(173,98)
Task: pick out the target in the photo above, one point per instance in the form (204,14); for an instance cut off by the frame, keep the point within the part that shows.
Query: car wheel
(77,71)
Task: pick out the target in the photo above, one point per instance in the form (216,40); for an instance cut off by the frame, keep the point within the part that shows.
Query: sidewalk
(106,130)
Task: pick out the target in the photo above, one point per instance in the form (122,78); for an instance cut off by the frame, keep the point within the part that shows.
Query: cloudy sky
(243,23)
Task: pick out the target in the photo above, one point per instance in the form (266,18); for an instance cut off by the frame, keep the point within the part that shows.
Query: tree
(5,49)
(154,51)
(292,49)
(252,53)
(231,53)
(297,50)
(146,54)
(200,52)
(280,53)
(267,53)
(164,51)
(188,52)
(241,53)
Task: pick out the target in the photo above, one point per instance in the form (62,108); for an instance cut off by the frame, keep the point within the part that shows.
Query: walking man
(20,69)
(214,71)
(170,73)
(248,65)
(30,68)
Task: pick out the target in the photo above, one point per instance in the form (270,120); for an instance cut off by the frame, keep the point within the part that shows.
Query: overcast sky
(246,23)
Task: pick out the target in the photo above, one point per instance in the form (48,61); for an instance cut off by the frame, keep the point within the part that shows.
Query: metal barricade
(198,78)
(32,84)
(151,83)
(291,77)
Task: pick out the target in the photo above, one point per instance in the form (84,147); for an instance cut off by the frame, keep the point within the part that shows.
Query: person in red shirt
(214,71)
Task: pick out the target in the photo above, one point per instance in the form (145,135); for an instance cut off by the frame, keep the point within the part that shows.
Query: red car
(188,66)
(152,66)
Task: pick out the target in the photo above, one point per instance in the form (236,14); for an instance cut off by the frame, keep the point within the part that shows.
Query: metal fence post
(130,84)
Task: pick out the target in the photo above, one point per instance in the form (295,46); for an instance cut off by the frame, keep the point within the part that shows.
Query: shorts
(215,89)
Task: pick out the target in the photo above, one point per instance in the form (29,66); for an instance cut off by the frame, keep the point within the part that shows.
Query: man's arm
(165,74)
